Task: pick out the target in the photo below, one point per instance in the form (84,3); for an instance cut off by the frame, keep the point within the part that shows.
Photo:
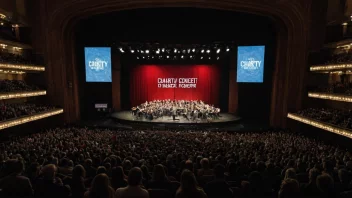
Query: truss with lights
(327,96)
(4,96)
(318,68)
(175,51)
(22,67)
(29,118)
(321,125)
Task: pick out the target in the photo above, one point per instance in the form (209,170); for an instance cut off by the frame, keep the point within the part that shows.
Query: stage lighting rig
(218,51)
(132,51)
(147,51)
(208,51)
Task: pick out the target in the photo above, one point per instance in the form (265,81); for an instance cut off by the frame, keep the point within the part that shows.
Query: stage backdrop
(189,82)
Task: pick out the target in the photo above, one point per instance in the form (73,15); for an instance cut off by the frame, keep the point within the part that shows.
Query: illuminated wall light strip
(336,97)
(330,67)
(4,96)
(321,125)
(22,67)
(11,72)
(30,118)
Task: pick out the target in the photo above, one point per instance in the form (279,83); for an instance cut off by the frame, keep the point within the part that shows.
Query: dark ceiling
(174,25)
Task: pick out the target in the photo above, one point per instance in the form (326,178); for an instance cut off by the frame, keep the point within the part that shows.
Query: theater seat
(205,179)
(159,193)
(175,185)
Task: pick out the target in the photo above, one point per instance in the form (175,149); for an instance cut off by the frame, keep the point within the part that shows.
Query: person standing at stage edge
(174,113)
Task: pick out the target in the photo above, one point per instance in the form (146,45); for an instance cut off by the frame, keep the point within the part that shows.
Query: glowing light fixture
(330,67)
(4,96)
(321,125)
(30,118)
(21,67)
(326,96)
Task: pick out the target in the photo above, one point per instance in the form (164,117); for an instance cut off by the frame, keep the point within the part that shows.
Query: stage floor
(127,116)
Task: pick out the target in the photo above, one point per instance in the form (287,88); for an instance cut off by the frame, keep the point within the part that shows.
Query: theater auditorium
(178,98)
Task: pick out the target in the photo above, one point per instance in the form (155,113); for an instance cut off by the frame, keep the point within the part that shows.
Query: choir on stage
(189,109)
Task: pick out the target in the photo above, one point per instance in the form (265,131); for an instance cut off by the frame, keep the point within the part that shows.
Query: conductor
(174,112)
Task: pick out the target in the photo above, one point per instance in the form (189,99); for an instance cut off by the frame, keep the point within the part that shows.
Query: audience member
(134,188)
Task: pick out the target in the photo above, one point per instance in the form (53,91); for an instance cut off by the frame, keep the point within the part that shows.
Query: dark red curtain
(144,83)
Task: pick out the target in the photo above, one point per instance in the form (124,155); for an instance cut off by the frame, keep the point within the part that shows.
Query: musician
(188,108)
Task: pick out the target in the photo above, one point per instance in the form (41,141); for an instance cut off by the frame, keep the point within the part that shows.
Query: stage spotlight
(191,56)
(163,50)
(217,58)
(189,50)
(201,57)
(142,51)
(132,51)
(175,50)
(202,51)
(209,58)
(121,50)
(152,57)
(208,51)
(158,51)
(183,51)
(137,57)
(193,50)
(167,56)
(174,57)
(179,51)
(228,49)
(147,51)
(182,56)
(218,51)
(143,57)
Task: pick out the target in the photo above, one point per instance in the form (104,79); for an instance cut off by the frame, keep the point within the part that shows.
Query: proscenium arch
(290,16)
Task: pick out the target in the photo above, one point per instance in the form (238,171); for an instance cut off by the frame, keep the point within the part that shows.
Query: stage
(126,116)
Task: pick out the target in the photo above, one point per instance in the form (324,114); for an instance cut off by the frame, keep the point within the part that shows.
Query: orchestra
(189,109)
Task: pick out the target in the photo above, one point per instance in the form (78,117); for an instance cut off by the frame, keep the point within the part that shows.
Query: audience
(14,59)
(341,118)
(189,186)
(9,111)
(134,188)
(100,188)
(335,88)
(83,162)
(15,85)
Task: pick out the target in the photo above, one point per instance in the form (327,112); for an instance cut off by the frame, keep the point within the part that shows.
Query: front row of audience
(48,184)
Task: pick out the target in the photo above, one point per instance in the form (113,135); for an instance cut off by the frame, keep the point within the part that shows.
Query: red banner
(180,82)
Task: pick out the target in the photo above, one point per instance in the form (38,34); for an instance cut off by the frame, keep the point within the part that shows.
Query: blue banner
(250,64)
(98,64)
